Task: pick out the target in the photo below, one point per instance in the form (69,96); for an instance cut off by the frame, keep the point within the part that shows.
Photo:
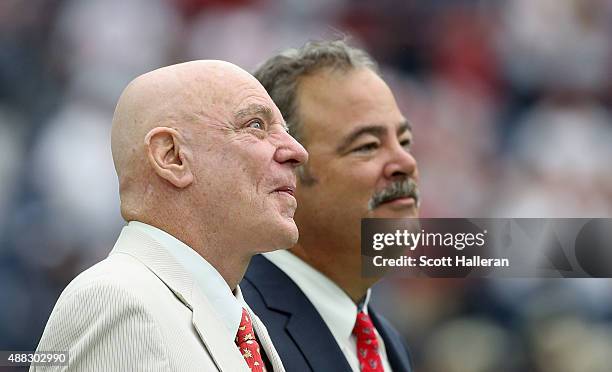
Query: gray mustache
(398,189)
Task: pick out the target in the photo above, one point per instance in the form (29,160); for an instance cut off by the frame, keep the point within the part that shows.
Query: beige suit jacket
(139,310)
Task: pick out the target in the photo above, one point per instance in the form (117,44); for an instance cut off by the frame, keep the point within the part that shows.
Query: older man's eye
(256,124)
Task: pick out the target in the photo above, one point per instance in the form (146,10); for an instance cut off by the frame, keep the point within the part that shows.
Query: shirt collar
(226,304)
(336,308)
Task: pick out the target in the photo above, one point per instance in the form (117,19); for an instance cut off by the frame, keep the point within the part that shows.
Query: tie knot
(364,328)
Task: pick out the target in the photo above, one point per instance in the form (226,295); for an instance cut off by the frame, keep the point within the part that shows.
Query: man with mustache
(206,180)
(314,299)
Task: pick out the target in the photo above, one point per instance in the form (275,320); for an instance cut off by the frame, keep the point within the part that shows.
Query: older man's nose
(290,151)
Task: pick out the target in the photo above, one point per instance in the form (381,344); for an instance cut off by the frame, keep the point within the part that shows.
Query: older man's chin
(285,235)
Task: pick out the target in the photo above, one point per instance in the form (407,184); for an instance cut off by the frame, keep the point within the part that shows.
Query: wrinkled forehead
(228,93)
(238,96)
(217,93)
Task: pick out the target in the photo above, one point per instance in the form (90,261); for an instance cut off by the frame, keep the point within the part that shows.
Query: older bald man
(206,174)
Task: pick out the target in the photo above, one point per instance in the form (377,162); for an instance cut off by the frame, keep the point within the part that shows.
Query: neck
(346,273)
(231,269)
(230,263)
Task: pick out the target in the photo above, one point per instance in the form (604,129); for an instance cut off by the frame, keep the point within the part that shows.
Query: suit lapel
(316,341)
(215,337)
(397,353)
(305,325)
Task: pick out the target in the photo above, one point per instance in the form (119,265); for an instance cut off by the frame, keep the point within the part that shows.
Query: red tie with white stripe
(367,344)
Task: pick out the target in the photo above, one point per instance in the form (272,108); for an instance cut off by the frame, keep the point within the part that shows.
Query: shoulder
(115,290)
(118,273)
(99,312)
(120,290)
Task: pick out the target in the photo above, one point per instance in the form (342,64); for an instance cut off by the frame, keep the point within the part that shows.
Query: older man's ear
(169,156)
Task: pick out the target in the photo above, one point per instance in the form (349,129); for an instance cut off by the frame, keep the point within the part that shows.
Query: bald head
(179,98)
(176,95)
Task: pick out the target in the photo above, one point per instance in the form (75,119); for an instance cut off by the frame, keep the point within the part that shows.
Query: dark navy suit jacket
(298,332)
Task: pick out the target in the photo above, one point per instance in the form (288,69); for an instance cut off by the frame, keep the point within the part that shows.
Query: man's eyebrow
(403,127)
(254,110)
(375,130)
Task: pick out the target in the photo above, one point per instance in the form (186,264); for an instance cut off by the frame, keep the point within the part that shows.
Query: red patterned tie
(248,345)
(367,344)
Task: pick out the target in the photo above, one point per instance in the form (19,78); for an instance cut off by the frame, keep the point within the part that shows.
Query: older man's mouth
(286,190)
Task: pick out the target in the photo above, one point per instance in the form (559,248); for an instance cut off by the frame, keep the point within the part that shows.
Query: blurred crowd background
(510,103)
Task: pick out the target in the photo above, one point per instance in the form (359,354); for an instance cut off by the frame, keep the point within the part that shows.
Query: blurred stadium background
(510,101)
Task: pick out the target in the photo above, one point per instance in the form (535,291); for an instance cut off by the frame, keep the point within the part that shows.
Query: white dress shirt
(336,308)
(228,305)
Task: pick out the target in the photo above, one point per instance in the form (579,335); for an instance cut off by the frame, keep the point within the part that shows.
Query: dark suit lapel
(305,325)
(397,353)
(316,341)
